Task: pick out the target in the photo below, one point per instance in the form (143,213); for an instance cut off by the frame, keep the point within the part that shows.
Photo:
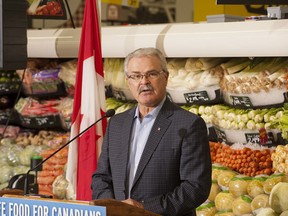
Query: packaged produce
(215,189)
(272,180)
(224,213)
(278,199)
(6,173)
(259,202)
(285,213)
(242,205)
(59,187)
(223,201)
(255,186)
(238,185)
(206,209)
(262,77)
(217,170)
(224,178)
(267,212)
(279,158)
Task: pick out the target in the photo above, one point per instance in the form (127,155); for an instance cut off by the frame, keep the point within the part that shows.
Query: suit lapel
(124,141)
(158,130)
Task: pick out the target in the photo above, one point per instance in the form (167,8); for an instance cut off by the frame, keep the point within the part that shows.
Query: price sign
(193,97)
(221,136)
(252,138)
(40,122)
(255,138)
(3,87)
(241,101)
(26,120)
(119,95)
(3,117)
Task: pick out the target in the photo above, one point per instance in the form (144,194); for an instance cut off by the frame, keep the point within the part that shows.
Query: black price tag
(49,121)
(43,121)
(254,138)
(241,101)
(26,120)
(3,117)
(193,97)
(119,95)
(3,87)
(221,136)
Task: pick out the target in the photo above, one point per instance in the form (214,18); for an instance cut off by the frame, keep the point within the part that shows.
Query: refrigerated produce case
(232,39)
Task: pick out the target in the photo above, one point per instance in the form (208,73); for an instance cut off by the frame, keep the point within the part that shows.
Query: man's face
(148,90)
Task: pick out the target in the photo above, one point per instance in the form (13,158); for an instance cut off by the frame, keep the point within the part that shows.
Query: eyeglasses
(149,75)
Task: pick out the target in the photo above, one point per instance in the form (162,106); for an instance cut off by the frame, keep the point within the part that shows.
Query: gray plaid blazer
(174,172)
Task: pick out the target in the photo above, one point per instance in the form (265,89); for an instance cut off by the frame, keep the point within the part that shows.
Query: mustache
(147,87)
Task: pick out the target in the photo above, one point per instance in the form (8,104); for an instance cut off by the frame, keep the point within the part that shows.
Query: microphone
(109,113)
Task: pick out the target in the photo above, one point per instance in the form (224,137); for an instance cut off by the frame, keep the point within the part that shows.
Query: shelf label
(221,136)
(49,121)
(3,117)
(193,97)
(241,101)
(255,138)
(119,95)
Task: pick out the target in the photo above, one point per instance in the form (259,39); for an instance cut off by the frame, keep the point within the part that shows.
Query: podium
(31,205)
(118,208)
(11,191)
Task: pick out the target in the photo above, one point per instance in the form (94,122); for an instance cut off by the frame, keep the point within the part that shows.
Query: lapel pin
(159,129)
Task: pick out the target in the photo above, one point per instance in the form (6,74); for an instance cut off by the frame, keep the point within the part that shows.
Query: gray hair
(147,51)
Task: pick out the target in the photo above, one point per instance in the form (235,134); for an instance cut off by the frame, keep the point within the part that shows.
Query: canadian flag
(89,105)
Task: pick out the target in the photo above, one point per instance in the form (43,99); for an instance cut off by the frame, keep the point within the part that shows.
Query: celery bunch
(283,122)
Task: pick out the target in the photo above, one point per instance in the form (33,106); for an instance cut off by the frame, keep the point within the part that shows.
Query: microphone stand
(109,113)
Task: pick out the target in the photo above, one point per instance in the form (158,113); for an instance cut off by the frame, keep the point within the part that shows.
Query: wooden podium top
(12,192)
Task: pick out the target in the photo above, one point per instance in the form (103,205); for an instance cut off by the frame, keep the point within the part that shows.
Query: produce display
(262,77)
(259,74)
(9,81)
(195,80)
(40,120)
(9,84)
(249,161)
(53,168)
(114,77)
(280,159)
(48,114)
(237,194)
(193,73)
(242,101)
(234,125)
(17,148)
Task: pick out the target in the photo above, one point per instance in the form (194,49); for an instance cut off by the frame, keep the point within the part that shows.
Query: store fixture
(13,37)
(233,39)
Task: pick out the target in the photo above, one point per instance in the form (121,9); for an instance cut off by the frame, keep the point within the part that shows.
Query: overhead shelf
(230,39)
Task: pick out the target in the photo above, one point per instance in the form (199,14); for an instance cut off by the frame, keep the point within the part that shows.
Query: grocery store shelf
(230,39)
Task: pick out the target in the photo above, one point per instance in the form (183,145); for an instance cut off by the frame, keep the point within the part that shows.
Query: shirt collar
(154,112)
